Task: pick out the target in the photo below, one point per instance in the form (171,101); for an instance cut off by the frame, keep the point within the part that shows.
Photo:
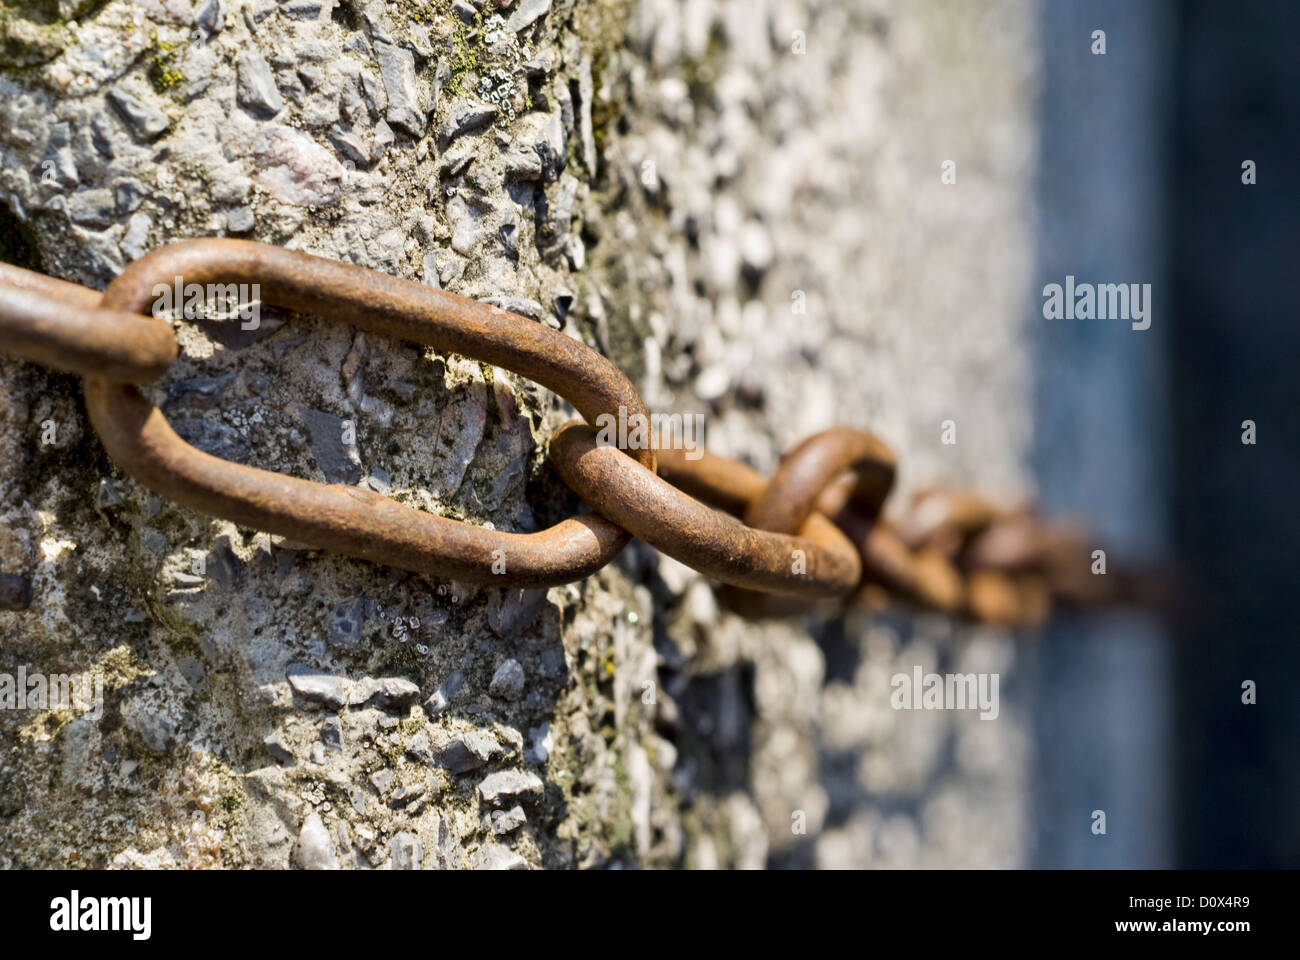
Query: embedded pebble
(446,692)
(508,681)
(295,168)
(322,687)
(471,750)
(334,455)
(346,622)
(493,856)
(331,733)
(128,194)
(526,13)
(239,219)
(15,592)
(211,17)
(387,693)
(57,164)
(420,748)
(315,848)
(278,749)
(257,91)
(156,730)
(145,122)
(466,118)
(510,786)
(135,242)
(404,796)
(302,9)
(508,821)
(397,67)
(407,851)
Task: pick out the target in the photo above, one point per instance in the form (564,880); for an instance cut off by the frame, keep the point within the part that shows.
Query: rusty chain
(815,533)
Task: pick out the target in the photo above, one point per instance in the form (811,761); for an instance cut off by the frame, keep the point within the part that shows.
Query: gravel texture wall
(741,204)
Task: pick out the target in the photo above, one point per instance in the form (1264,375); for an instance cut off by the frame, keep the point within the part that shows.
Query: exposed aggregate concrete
(663,180)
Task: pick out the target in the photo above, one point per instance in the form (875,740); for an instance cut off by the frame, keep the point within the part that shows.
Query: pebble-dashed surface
(667,181)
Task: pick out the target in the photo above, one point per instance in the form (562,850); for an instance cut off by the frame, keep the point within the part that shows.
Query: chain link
(815,533)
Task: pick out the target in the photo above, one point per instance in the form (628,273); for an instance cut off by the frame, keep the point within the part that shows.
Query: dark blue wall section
(1234,352)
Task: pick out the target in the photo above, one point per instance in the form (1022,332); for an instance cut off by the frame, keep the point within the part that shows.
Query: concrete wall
(675,177)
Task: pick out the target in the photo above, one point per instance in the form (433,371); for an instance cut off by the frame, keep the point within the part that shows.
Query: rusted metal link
(810,469)
(348,520)
(60,325)
(945,519)
(962,554)
(814,532)
(830,470)
(1013,563)
(732,486)
(922,577)
(818,562)
(73,294)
